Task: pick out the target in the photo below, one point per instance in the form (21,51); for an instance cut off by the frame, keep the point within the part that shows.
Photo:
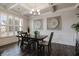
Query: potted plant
(76,27)
(36,33)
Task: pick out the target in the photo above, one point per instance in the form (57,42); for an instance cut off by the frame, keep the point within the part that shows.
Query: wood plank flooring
(57,50)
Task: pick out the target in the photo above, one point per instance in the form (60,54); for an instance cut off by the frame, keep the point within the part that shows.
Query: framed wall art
(38,24)
(54,23)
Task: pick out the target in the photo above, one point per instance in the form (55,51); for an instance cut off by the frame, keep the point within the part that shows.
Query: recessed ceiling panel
(6,5)
(19,9)
(37,5)
(25,8)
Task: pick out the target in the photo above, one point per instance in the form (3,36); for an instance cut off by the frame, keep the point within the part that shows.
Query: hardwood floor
(57,50)
(11,50)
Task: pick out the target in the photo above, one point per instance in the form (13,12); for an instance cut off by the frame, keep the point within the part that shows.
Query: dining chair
(26,42)
(19,34)
(45,44)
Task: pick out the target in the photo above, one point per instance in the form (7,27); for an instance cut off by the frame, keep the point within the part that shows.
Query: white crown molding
(12,6)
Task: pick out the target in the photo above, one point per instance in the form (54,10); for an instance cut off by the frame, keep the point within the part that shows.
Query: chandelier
(35,11)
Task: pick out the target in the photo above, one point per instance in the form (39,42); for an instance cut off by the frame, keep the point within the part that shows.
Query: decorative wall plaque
(37,24)
(54,23)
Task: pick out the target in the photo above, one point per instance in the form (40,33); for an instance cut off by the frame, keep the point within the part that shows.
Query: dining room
(39,29)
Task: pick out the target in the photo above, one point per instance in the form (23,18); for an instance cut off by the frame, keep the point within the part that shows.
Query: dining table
(35,39)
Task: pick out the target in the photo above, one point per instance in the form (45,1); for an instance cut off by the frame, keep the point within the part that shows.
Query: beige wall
(64,36)
(25,23)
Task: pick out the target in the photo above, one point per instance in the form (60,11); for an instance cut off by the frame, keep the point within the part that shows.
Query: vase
(77,36)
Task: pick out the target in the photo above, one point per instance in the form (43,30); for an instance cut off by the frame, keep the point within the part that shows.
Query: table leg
(21,45)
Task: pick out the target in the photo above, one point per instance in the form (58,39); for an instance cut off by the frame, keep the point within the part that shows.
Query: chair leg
(18,42)
(49,50)
(40,50)
(43,50)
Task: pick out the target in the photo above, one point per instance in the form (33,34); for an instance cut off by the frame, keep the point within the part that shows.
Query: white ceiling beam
(76,5)
(12,6)
(25,6)
(26,12)
(66,9)
(54,4)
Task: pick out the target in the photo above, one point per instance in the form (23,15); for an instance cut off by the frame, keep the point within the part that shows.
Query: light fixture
(35,11)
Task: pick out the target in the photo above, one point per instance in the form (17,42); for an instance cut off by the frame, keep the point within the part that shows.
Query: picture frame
(38,24)
(54,23)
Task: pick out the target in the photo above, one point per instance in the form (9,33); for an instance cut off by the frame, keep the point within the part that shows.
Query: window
(10,20)
(9,25)
(3,29)
(3,19)
(18,24)
(3,25)
(17,21)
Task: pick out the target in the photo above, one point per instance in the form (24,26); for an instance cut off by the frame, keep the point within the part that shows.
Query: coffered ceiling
(25,8)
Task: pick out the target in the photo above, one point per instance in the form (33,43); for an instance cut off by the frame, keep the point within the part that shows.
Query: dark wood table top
(40,37)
